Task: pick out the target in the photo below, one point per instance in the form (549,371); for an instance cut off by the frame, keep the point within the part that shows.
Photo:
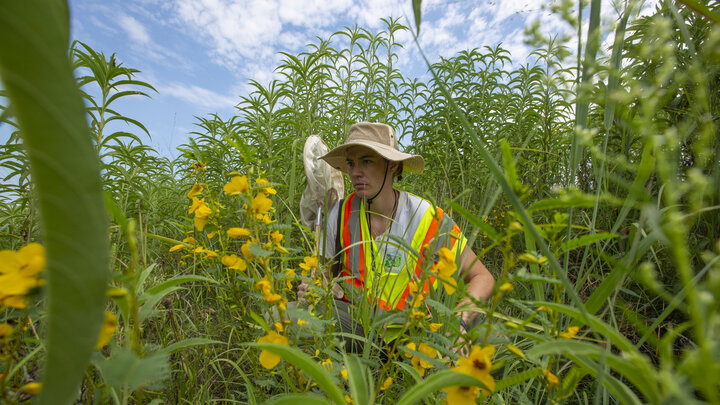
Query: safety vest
(381,269)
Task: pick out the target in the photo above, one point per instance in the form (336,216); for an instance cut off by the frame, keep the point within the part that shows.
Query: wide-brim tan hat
(378,137)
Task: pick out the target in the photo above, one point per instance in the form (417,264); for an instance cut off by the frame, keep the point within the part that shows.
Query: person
(379,236)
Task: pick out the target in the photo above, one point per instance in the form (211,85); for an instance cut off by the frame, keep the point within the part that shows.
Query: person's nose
(354,171)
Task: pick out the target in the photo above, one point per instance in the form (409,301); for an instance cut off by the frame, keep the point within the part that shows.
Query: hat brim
(337,158)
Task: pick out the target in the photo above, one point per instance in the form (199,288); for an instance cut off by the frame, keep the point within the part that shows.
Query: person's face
(366,170)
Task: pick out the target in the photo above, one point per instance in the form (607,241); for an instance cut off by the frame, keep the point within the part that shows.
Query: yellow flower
(5,330)
(343,373)
(211,234)
(571,332)
(418,315)
(198,250)
(506,287)
(265,286)
(516,351)
(31,388)
(551,378)
(327,365)
(348,399)
(202,212)
(445,268)
(268,359)
(198,167)
(386,384)
(238,232)
(276,236)
(279,326)
(109,328)
(265,185)
(309,263)
(435,326)
(417,296)
(478,365)
(419,363)
(190,240)
(245,249)
(237,185)
(211,254)
(260,204)
(195,191)
(177,247)
(234,262)
(301,322)
(460,395)
(19,273)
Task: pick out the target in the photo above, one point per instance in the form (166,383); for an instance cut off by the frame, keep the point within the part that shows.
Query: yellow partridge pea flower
(201,211)
(237,185)
(269,359)
(195,191)
(460,395)
(109,327)
(478,365)
(234,262)
(444,268)
(19,273)
(238,232)
(571,332)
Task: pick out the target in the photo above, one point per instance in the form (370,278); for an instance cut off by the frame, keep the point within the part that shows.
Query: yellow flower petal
(31,388)
(269,359)
(109,328)
(238,232)
(195,191)
(237,185)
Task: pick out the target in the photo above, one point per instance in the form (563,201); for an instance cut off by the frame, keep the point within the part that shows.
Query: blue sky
(200,54)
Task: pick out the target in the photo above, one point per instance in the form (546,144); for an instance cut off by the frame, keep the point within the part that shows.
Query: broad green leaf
(185,343)
(305,363)
(436,382)
(48,107)
(124,370)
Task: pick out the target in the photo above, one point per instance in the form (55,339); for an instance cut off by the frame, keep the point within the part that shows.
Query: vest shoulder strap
(335,268)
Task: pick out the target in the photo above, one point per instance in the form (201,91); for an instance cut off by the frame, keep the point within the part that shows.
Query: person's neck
(384,204)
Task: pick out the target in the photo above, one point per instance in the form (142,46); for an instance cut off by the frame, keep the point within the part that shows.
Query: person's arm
(479,282)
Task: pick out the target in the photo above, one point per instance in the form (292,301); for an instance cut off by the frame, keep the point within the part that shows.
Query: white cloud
(134,29)
(205,99)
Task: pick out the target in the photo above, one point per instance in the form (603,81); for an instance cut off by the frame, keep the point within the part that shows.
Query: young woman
(381,238)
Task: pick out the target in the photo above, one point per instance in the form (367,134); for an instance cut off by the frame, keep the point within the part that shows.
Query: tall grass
(592,197)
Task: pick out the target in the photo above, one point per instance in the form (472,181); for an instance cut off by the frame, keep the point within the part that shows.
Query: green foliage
(592,197)
(36,73)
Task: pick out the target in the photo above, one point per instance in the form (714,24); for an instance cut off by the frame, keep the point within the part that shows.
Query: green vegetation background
(595,195)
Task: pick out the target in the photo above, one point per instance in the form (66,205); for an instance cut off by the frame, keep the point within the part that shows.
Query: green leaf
(124,370)
(639,373)
(185,343)
(476,221)
(435,382)
(260,252)
(173,282)
(50,112)
(518,378)
(295,399)
(418,14)
(357,380)
(305,363)
(586,240)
